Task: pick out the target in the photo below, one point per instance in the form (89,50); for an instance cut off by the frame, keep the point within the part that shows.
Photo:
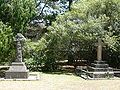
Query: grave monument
(18,69)
(100,69)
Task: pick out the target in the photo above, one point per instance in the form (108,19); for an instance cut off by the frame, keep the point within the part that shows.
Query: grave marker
(18,68)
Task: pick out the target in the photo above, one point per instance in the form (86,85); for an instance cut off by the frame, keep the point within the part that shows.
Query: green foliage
(73,35)
(15,16)
(6,46)
(17,13)
(34,56)
(76,32)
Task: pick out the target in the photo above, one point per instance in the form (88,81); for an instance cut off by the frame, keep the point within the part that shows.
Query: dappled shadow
(60,72)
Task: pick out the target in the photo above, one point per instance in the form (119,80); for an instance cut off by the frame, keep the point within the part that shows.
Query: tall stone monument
(18,69)
(100,69)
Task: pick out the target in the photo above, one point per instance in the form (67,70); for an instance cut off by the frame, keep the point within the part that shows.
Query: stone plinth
(17,70)
(99,69)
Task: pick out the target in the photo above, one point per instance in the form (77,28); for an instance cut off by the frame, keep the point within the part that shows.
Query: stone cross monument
(99,68)
(18,68)
(99,49)
(19,39)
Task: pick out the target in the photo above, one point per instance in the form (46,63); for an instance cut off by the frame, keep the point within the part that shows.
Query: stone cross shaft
(99,49)
(19,38)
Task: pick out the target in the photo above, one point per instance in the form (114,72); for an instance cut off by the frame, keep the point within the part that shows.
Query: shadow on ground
(60,72)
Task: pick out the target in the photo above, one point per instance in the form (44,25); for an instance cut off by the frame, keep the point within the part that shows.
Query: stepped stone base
(99,69)
(102,75)
(17,70)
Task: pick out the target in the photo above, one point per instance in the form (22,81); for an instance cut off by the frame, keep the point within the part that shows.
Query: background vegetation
(70,35)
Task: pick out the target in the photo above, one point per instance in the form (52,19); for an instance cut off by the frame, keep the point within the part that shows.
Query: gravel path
(60,82)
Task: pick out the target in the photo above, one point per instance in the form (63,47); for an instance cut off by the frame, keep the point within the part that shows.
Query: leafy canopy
(77,31)
(17,13)
(6,47)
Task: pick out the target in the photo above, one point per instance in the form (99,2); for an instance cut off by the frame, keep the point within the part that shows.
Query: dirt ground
(60,82)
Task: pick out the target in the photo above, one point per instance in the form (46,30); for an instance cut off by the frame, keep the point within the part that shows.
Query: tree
(17,13)
(87,21)
(76,32)
(6,44)
(49,9)
(14,18)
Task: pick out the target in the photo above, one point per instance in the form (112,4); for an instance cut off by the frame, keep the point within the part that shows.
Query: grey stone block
(17,70)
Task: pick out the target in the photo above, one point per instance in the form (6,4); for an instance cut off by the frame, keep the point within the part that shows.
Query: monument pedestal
(17,70)
(100,69)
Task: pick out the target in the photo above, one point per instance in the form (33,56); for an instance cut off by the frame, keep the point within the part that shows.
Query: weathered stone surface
(99,68)
(99,49)
(18,68)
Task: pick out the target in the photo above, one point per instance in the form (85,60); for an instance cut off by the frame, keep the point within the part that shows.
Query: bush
(6,44)
(76,32)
